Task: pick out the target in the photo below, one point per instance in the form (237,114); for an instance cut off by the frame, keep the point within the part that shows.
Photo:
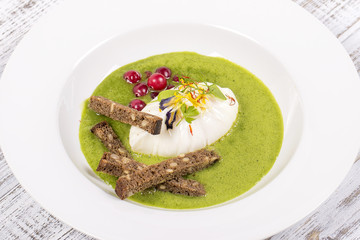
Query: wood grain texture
(337,218)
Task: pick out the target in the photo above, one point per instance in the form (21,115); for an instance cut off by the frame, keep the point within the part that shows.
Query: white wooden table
(337,218)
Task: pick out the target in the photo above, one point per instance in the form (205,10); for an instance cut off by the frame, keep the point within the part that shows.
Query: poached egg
(214,121)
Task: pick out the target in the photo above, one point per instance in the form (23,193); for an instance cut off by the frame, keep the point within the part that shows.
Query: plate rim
(2,83)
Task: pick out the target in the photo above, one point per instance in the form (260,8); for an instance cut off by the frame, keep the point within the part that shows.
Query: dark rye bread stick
(166,170)
(109,138)
(120,162)
(116,165)
(125,114)
(119,166)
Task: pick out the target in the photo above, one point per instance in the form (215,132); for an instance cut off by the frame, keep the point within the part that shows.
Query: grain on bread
(116,165)
(183,186)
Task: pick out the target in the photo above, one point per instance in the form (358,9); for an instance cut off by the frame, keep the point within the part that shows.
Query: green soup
(248,152)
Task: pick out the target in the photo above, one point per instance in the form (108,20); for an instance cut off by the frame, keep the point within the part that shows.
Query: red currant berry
(154,94)
(137,104)
(175,78)
(157,81)
(164,71)
(140,89)
(148,74)
(132,76)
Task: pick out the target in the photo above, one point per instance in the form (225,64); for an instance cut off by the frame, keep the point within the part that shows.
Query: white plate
(63,58)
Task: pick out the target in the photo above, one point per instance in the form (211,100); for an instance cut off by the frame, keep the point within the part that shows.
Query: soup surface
(248,150)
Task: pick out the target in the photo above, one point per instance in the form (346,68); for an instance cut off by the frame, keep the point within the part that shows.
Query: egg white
(212,123)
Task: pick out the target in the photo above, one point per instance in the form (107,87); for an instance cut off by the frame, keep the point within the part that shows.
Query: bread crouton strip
(116,111)
(109,138)
(120,162)
(166,170)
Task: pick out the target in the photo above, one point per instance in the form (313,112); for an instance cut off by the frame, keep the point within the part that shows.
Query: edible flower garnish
(187,100)
(232,100)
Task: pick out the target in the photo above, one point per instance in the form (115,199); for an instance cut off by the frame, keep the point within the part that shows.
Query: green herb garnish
(166,94)
(216,92)
(189,112)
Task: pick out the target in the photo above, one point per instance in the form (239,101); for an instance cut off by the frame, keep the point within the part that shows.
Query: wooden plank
(22,218)
(341,17)
(74,234)
(16,19)
(352,45)
(7,179)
